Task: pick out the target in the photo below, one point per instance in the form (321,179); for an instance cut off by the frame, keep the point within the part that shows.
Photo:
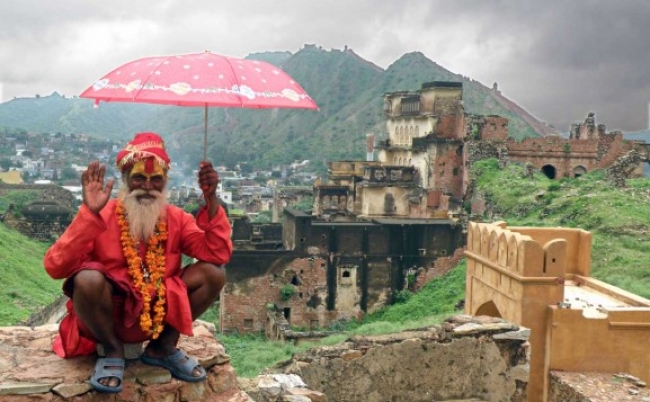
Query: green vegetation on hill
(26,287)
(616,217)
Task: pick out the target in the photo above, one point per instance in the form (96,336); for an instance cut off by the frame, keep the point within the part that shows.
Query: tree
(5,164)
(306,204)
(68,173)
(246,168)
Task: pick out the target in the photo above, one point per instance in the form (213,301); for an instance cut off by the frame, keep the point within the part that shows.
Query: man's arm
(67,254)
(208,238)
(74,246)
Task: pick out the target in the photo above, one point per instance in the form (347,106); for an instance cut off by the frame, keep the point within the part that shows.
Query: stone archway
(549,171)
(489,309)
(579,171)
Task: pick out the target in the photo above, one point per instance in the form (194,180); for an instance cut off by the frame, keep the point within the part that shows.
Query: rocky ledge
(464,359)
(30,371)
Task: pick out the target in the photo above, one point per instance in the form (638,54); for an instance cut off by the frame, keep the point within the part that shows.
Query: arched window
(579,171)
(549,171)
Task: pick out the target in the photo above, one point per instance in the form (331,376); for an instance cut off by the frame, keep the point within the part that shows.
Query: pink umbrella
(201,79)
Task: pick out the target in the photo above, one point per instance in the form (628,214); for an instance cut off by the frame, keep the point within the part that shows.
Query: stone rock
(30,371)
(25,388)
(295,398)
(288,380)
(313,396)
(70,390)
(269,386)
(521,334)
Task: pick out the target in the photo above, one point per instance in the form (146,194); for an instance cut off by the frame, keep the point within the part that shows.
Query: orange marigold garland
(147,277)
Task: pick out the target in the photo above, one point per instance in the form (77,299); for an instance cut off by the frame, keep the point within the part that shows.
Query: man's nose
(146,184)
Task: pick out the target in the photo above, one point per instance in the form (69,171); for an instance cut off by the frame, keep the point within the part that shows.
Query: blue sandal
(108,367)
(179,364)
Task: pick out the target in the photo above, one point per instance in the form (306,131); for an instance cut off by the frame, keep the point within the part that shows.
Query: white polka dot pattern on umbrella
(201,79)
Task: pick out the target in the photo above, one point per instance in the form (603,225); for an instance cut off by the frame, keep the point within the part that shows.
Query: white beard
(143,214)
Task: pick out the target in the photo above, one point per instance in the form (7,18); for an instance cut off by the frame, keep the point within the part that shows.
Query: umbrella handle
(205,133)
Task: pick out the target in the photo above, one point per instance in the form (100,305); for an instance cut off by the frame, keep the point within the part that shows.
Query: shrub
(402,296)
(287,291)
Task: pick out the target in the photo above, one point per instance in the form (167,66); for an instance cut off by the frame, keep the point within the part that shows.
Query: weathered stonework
(334,270)
(596,387)
(465,357)
(30,371)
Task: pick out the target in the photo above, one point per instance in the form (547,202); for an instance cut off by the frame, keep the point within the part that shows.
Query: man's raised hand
(208,181)
(208,178)
(94,194)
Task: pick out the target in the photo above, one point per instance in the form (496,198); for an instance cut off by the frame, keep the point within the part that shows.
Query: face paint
(147,169)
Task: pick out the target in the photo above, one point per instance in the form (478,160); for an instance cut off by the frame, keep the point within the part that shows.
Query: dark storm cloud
(558,59)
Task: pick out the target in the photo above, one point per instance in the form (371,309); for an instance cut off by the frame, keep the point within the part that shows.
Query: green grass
(26,286)
(430,306)
(616,217)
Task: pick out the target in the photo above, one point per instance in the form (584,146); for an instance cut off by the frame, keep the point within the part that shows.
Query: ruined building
(380,226)
(588,147)
(376,228)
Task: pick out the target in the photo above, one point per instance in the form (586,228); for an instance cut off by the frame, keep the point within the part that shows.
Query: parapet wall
(511,275)
(535,277)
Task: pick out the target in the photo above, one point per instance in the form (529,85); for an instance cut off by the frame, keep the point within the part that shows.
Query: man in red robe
(121,261)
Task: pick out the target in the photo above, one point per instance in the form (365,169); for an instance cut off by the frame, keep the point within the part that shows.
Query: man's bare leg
(92,298)
(204,282)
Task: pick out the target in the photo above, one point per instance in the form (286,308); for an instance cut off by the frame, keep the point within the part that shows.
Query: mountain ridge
(347,88)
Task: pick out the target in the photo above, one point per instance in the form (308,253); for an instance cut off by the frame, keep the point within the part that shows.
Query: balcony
(390,175)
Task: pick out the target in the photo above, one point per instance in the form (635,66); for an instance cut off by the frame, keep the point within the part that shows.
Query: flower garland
(147,277)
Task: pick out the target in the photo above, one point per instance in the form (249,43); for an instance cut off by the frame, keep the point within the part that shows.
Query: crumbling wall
(465,357)
(446,170)
(303,300)
(441,266)
(46,192)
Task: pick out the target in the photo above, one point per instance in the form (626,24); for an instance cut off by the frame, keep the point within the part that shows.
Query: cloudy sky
(559,59)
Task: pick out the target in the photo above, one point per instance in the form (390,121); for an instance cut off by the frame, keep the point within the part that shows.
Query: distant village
(58,159)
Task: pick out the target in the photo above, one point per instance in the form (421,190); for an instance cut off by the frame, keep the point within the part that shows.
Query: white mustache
(140,192)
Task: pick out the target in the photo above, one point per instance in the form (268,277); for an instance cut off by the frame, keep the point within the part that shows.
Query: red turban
(144,146)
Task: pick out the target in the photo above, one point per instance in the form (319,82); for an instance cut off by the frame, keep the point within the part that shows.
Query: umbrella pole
(205,133)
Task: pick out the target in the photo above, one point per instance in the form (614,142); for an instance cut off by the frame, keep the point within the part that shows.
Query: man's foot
(108,375)
(179,364)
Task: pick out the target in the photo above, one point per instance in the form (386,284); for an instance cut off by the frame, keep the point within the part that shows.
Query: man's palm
(94,194)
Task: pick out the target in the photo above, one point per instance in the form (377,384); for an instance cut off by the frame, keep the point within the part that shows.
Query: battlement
(540,278)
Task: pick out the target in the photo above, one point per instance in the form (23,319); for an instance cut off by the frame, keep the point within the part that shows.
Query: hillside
(616,217)
(26,286)
(348,89)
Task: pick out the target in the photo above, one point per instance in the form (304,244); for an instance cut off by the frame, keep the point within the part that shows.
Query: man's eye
(157,179)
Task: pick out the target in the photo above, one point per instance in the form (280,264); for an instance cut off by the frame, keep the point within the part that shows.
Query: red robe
(92,242)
